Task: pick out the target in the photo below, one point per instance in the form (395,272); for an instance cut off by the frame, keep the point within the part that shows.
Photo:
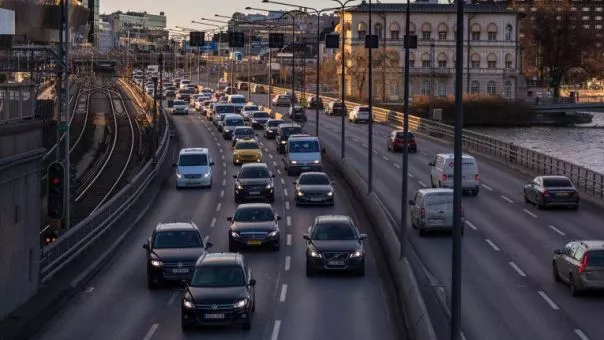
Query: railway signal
(56,191)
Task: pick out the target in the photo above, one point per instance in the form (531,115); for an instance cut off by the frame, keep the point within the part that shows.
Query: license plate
(335,263)
(180,270)
(254,193)
(305,168)
(562,194)
(213,316)
(316,199)
(254,243)
(436,222)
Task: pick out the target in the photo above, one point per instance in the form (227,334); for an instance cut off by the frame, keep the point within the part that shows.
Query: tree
(329,73)
(387,61)
(560,38)
(356,67)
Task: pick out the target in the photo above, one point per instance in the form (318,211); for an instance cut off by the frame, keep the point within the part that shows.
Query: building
(491,50)
(138,27)
(93,20)
(105,37)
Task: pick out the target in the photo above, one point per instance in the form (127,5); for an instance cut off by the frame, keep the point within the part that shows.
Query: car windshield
(237,100)
(274,123)
(292,130)
(179,102)
(439,200)
(557,183)
(244,132)
(246,146)
(335,231)
(234,122)
(261,114)
(303,146)
(364,109)
(254,215)
(177,239)
(595,258)
(224,109)
(314,179)
(193,160)
(253,172)
(215,276)
(250,108)
(401,135)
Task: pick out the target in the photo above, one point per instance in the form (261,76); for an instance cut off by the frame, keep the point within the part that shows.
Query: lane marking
(221,193)
(375,151)
(517,269)
(172,298)
(580,334)
(213,223)
(206,238)
(364,145)
(288,262)
(282,181)
(396,166)
(276,327)
(266,149)
(492,244)
(220,150)
(151,331)
(223,182)
(471,225)
(422,184)
(279,171)
(217,144)
(528,212)
(89,289)
(355,140)
(283,292)
(288,240)
(224,173)
(224,164)
(385,158)
(487,187)
(410,175)
(274,163)
(223,157)
(560,232)
(219,206)
(547,299)
(286,205)
(285,192)
(271,156)
(506,199)
(288,220)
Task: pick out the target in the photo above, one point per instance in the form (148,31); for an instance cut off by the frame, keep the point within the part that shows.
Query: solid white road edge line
(547,299)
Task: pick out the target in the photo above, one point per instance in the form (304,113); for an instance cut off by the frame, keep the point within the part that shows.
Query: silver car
(580,264)
(432,210)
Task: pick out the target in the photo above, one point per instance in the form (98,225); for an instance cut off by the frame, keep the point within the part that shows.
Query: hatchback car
(282,100)
(314,188)
(580,264)
(246,151)
(180,107)
(335,108)
(396,141)
(283,133)
(551,191)
(359,114)
(221,293)
(254,225)
(248,110)
(333,243)
(254,182)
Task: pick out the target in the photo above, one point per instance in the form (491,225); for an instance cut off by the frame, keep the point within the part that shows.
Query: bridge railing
(587,181)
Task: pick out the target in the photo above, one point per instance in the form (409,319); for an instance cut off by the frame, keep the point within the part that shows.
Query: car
(172,250)
(551,191)
(230,90)
(184,83)
(169,93)
(229,123)
(254,225)
(441,173)
(333,243)
(313,101)
(335,108)
(580,264)
(254,181)
(180,107)
(242,132)
(247,151)
(283,133)
(282,100)
(396,141)
(271,126)
(221,108)
(258,119)
(314,188)
(359,113)
(221,292)
(258,89)
(194,168)
(243,86)
(247,110)
(238,101)
(432,210)
(303,154)
(207,91)
(297,113)
(176,82)
(197,102)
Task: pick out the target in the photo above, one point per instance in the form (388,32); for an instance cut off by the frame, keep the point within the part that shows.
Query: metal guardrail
(70,245)
(586,180)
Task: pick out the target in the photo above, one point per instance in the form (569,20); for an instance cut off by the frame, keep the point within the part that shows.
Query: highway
(117,305)
(508,291)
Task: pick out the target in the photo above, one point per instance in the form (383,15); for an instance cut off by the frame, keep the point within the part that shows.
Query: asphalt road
(508,291)
(117,304)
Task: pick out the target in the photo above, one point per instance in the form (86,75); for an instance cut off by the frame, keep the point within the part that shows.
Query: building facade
(138,27)
(106,37)
(93,20)
(491,50)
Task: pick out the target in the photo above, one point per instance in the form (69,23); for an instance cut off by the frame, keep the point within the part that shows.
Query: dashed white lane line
(173,298)
(213,134)
(283,293)
(364,145)
(151,331)
(355,140)
(471,225)
(487,187)
(286,205)
(223,157)
(396,166)
(288,221)
(385,158)
(492,244)
(89,290)
(213,223)
(422,184)
(549,301)
(288,239)
(221,150)
(506,199)
(221,193)
(224,164)
(282,181)
(223,182)
(274,163)
(271,156)
(224,173)
(266,149)
(581,334)
(276,327)
(375,151)
(528,212)
(560,232)
(284,192)
(219,206)
(517,269)
(217,144)
(288,262)
(279,171)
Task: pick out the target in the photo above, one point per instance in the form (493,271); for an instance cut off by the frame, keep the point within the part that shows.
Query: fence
(70,245)
(17,102)
(586,180)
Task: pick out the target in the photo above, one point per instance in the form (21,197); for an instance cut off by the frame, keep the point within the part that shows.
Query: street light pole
(293,97)
(249,64)
(405,170)
(370,104)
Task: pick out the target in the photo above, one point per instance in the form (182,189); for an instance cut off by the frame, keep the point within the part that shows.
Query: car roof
(254,165)
(232,115)
(286,125)
(236,96)
(303,137)
(175,226)
(255,206)
(224,104)
(188,151)
(310,173)
(247,140)
(451,155)
(436,191)
(554,177)
(333,219)
(275,120)
(243,128)
(220,259)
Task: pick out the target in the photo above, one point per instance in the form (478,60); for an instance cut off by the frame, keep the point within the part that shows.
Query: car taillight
(545,193)
(583,264)
(412,140)
(477,177)
(422,212)
(443,177)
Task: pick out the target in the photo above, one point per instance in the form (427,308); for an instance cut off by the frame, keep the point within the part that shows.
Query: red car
(395,141)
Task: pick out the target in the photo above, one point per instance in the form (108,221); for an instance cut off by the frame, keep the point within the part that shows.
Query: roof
(436,190)
(303,136)
(554,177)
(254,165)
(247,140)
(333,219)
(310,173)
(286,125)
(175,226)
(217,259)
(434,8)
(236,95)
(244,128)
(594,244)
(451,155)
(255,205)
(193,151)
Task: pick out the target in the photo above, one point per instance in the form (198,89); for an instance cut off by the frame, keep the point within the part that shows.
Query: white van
(238,101)
(432,210)
(441,174)
(194,168)
(303,153)
(183,83)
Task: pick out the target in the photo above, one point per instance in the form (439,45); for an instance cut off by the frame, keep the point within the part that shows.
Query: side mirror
(211,163)
(230,218)
(209,245)
(272,175)
(323,151)
(146,246)
(174,165)
(363,237)
(411,202)
(234,176)
(558,252)
(278,218)
(306,237)
(252,282)
(432,163)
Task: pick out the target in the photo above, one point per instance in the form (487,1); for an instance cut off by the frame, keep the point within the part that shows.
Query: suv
(283,133)
(282,100)
(581,265)
(254,181)
(222,292)
(194,168)
(335,108)
(172,251)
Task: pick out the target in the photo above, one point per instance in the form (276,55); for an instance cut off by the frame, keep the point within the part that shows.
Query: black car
(283,133)
(254,225)
(271,126)
(242,132)
(334,244)
(336,108)
(184,96)
(258,119)
(172,251)
(229,124)
(254,181)
(221,293)
(551,191)
(314,188)
(314,101)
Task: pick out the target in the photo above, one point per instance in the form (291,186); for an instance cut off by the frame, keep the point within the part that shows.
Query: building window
(442,31)
(393,88)
(492,32)
(509,61)
(475,60)
(426,87)
(491,88)
(475,32)
(509,31)
(442,89)
(361,31)
(426,60)
(379,30)
(411,59)
(475,87)
(507,90)
(426,31)
(395,30)
(442,60)
(491,61)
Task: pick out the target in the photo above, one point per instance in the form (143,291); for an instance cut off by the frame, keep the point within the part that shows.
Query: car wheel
(574,207)
(573,287)
(248,323)
(151,285)
(232,246)
(421,232)
(272,198)
(540,204)
(475,192)
(276,247)
(290,172)
(361,270)
(555,272)
(310,270)
(432,183)
(526,200)
(186,326)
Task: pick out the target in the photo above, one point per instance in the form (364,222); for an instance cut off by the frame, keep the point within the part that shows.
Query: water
(582,145)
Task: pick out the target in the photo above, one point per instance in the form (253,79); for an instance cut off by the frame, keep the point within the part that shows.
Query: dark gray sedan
(314,188)
(551,191)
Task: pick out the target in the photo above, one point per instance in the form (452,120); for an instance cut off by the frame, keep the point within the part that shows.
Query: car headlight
(234,234)
(178,175)
(283,141)
(269,186)
(293,162)
(207,174)
(300,193)
(188,304)
(240,303)
(156,263)
(239,186)
(273,233)
(314,253)
(330,193)
(357,253)
(317,161)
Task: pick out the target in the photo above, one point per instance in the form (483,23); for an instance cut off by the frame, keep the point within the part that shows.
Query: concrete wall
(20,158)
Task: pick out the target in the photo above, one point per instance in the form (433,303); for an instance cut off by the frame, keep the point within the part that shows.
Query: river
(582,145)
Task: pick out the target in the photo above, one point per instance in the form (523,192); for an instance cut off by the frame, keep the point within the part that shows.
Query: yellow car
(246,151)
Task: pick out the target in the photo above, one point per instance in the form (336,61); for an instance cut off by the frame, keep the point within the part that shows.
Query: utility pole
(161,86)
(154,124)
(369,40)
(63,93)
(249,64)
